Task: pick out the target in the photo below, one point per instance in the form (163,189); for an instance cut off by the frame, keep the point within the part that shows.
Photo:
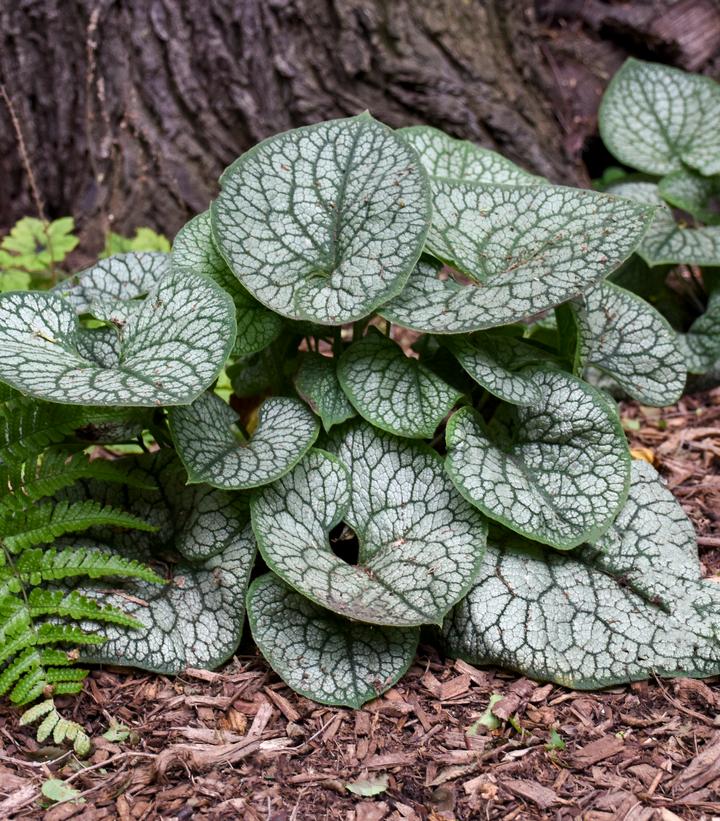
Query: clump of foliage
(33,252)
(363,374)
(663,123)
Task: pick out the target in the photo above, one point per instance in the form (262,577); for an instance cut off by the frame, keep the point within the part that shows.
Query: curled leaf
(520,250)
(215,454)
(448,158)
(625,337)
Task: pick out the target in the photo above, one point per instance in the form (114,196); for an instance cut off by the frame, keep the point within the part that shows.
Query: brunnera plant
(404,321)
(663,123)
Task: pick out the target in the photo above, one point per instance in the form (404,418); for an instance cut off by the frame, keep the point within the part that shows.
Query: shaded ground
(239,745)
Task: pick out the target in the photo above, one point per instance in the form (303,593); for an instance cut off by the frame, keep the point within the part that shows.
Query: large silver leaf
(657,119)
(557,472)
(392,391)
(323,656)
(630,606)
(194,250)
(215,452)
(446,157)
(625,337)
(324,222)
(165,352)
(420,542)
(524,249)
(668,242)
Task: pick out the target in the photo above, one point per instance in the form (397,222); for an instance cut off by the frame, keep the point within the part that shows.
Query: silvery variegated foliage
(194,250)
(502,363)
(659,119)
(324,222)
(556,471)
(520,249)
(110,289)
(663,122)
(420,543)
(448,158)
(238,347)
(628,606)
(629,340)
(165,351)
(667,241)
(321,655)
(214,451)
(393,391)
(196,619)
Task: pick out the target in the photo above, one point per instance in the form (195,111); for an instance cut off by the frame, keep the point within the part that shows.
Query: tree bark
(130,109)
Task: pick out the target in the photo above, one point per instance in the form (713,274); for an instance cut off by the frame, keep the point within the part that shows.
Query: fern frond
(62,729)
(58,469)
(7,393)
(44,523)
(43,627)
(41,679)
(38,655)
(33,668)
(28,426)
(76,606)
(35,566)
(32,714)
(14,617)
(47,633)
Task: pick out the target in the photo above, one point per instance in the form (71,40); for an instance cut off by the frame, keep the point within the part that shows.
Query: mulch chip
(238,744)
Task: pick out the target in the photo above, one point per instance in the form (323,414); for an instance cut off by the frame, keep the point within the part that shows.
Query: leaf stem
(337,341)
(359,327)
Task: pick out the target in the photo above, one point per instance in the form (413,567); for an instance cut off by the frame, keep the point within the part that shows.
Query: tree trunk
(130,109)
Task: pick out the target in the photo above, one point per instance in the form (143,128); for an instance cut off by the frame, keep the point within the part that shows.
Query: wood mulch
(237,744)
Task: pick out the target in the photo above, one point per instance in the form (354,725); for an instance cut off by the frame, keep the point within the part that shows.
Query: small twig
(23,153)
(34,190)
(678,706)
(708,541)
(110,760)
(33,764)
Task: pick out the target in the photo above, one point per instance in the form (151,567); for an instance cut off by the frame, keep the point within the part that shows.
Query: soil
(238,744)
